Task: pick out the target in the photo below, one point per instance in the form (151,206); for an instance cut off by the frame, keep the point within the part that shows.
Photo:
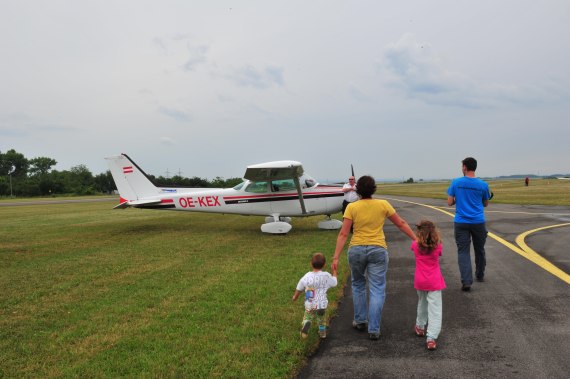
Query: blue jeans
(463,235)
(371,261)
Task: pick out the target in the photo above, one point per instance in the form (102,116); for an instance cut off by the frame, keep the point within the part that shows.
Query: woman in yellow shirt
(368,253)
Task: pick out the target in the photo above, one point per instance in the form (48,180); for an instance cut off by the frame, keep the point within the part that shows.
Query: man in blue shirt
(470,196)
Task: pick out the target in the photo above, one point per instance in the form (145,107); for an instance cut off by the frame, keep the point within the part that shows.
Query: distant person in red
(526,180)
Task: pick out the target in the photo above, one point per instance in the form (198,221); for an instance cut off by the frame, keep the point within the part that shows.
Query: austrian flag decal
(128,170)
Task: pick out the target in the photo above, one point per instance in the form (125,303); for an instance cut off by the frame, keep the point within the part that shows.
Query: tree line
(23,177)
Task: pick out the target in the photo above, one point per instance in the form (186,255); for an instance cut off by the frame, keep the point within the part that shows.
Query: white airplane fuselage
(320,199)
(277,190)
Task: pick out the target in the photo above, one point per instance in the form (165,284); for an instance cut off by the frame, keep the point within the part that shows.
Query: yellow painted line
(538,259)
(525,252)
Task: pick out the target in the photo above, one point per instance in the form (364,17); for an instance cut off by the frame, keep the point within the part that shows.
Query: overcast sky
(399,89)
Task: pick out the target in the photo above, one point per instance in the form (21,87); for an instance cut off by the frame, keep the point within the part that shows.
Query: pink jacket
(428,274)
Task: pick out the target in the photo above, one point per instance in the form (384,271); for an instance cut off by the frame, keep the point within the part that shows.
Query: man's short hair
(470,163)
(318,261)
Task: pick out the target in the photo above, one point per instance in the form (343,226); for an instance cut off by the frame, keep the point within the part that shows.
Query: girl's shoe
(431,345)
(419,331)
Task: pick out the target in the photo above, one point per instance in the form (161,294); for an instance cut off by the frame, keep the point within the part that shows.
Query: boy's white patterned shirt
(315,285)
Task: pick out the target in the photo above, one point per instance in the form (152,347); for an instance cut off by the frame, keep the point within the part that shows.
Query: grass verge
(86,291)
(540,191)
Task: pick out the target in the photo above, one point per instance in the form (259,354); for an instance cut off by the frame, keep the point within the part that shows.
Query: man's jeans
(373,262)
(463,235)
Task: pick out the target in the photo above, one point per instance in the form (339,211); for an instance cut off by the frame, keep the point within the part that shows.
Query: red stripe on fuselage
(277,195)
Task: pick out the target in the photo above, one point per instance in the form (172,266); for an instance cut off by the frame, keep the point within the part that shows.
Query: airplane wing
(278,170)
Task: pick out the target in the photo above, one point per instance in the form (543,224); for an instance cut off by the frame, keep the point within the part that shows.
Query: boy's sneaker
(374,336)
(431,344)
(305,328)
(360,326)
(322,331)
(419,331)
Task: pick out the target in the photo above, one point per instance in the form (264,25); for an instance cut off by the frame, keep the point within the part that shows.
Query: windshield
(307,181)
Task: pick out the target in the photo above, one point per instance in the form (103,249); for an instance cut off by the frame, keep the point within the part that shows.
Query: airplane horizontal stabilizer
(137,203)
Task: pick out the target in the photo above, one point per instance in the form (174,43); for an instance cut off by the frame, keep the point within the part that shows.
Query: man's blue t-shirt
(469,195)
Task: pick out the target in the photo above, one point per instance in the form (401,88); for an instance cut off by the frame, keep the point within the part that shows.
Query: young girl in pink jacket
(428,281)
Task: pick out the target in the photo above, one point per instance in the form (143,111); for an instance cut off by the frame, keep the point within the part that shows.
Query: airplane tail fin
(131,181)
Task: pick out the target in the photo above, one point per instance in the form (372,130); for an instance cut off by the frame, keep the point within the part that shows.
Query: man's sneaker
(431,344)
(480,278)
(322,331)
(466,287)
(360,326)
(419,331)
(374,336)
(305,328)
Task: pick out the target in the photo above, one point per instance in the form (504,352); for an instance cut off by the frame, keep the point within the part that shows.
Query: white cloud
(167,141)
(419,72)
(175,114)
(249,76)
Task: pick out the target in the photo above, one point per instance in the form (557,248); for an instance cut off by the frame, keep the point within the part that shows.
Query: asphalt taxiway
(516,324)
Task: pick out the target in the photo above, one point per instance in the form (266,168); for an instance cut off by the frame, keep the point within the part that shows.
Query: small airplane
(278,190)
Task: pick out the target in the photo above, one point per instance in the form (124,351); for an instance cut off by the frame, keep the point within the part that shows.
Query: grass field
(540,191)
(86,291)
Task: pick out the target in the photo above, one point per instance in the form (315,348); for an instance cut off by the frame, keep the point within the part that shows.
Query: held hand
(334,266)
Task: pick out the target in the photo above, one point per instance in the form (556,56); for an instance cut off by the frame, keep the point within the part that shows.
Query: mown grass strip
(540,191)
(91,292)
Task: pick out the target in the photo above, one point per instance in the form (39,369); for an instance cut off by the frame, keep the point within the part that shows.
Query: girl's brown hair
(427,236)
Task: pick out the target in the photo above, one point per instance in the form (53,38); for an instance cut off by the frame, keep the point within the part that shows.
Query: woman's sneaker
(431,344)
(419,331)
(361,326)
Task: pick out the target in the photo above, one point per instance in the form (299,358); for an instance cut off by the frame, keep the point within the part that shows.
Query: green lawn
(86,291)
(540,191)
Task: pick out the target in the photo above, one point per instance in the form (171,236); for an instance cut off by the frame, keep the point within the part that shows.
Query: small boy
(315,285)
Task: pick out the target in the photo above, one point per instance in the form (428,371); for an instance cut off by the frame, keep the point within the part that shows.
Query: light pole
(11,170)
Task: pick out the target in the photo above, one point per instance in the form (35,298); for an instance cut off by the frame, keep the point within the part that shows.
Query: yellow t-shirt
(368,218)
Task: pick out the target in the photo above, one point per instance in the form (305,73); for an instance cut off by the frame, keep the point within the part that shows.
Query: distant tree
(12,158)
(80,181)
(411,180)
(104,182)
(198,182)
(232,182)
(40,165)
(218,182)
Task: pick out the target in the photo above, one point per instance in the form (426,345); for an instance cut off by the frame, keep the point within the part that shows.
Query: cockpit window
(307,181)
(283,185)
(257,187)
(310,182)
(239,186)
